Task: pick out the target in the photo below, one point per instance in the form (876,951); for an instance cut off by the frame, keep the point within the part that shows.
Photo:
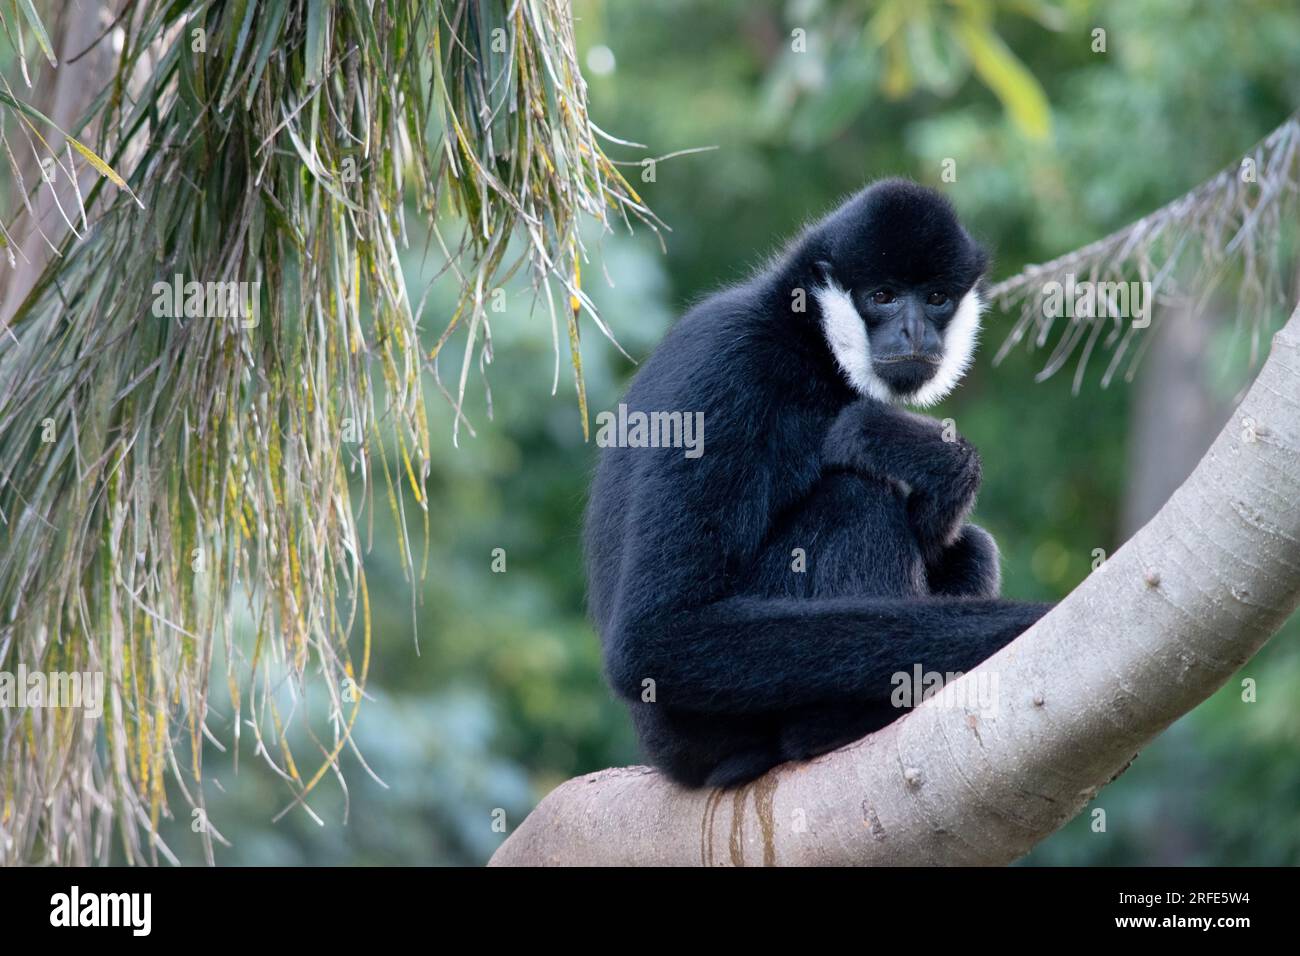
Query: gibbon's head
(896,287)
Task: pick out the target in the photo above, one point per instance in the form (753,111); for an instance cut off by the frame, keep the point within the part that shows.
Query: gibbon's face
(900,308)
(906,333)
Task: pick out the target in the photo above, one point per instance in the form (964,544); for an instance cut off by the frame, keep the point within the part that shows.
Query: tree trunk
(1157,629)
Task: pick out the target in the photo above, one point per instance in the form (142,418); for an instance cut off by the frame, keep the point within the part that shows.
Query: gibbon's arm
(693,528)
(751,655)
(889,442)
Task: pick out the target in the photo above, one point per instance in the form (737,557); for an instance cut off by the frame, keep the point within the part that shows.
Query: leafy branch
(1234,226)
(169,481)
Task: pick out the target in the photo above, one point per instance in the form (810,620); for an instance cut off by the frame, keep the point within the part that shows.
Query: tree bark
(1158,628)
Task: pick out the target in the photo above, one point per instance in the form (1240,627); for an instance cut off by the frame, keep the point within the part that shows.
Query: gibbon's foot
(969,567)
(741,768)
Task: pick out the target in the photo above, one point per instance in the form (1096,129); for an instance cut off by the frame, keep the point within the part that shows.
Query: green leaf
(91,157)
(42,38)
(103,167)
(265,47)
(315,53)
(241,40)
(1009,79)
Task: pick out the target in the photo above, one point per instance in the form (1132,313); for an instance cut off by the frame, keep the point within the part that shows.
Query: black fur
(690,559)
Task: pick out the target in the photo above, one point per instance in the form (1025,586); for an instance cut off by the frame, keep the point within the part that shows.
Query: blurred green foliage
(499,695)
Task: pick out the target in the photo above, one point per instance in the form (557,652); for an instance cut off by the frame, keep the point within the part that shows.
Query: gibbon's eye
(937,298)
(882,297)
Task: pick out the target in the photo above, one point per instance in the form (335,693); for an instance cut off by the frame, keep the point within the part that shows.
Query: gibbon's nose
(911,330)
(909,338)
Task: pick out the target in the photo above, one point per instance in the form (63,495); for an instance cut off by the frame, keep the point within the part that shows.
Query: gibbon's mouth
(905,374)
(920,358)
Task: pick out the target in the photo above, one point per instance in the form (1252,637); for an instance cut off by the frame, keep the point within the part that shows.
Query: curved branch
(1157,629)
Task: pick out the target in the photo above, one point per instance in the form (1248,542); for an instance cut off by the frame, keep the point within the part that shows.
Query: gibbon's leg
(858,542)
(969,567)
(799,662)
(813,731)
(850,537)
(713,750)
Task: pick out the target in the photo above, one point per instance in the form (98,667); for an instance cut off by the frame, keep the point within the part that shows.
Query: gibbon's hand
(893,443)
(969,567)
(940,472)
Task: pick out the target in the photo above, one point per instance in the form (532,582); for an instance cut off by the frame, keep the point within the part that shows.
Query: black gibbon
(696,581)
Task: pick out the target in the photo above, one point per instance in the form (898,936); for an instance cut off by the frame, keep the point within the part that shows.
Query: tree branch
(1158,628)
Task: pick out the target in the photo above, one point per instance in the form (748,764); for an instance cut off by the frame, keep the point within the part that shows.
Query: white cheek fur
(847,336)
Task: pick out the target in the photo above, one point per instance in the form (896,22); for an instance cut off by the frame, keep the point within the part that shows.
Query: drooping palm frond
(1233,226)
(164,475)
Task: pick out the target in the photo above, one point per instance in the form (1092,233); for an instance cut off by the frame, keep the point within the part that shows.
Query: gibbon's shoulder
(724,310)
(729,339)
